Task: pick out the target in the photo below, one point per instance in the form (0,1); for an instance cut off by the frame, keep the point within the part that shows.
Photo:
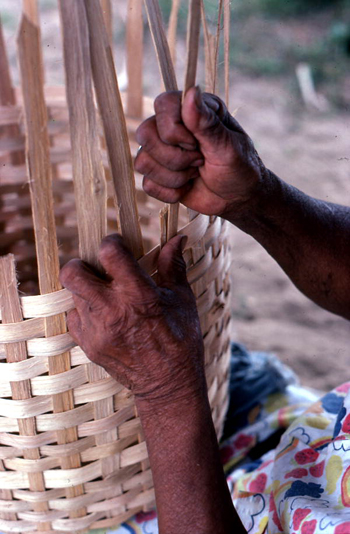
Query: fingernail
(188,146)
(183,242)
(198,97)
(197,163)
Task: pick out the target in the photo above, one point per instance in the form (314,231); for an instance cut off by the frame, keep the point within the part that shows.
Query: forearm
(309,239)
(190,486)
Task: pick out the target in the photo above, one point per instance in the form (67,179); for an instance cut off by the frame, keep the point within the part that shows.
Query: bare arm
(148,337)
(223,175)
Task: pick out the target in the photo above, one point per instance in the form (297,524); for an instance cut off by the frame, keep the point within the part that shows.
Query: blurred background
(290,90)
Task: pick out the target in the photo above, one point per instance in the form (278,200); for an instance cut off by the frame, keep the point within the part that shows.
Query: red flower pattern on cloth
(243,441)
(306,456)
(317,469)
(343,529)
(309,527)
(299,516)
(141,517)
(299,472)
(258,484)
(273,511)
(346,425)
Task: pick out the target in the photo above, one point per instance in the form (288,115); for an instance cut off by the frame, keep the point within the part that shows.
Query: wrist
(261,197)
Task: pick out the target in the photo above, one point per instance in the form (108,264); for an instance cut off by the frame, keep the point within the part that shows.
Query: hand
(146,336)
(197,153)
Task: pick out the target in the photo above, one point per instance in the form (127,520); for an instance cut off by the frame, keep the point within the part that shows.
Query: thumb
(203,120)
(171,265)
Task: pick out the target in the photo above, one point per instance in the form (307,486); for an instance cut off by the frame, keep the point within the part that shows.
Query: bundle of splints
(72,454)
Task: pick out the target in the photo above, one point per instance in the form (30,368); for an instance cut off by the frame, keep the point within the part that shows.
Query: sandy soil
(310,151)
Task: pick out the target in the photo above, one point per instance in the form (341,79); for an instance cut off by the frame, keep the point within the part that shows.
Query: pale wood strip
(66,477)
(116,502)
(20,409)
(169,79)
(106,6)
(134,58)
(16,332)
(27,442)
(172,28)
(40,179)
(227,17)
(8,98)
(161,45)
(114,124)
(192,44)
(88,175)
(71,525)
(217,41)
(209,53)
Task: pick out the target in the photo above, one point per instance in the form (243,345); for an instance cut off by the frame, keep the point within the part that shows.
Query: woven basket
(72,455)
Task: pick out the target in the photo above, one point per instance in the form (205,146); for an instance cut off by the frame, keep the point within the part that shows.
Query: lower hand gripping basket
(72,455)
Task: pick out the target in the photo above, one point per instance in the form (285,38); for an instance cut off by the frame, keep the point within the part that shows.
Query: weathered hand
(146,336)
(198,154)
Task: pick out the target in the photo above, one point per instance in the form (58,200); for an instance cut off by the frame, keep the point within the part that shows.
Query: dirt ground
(309,149)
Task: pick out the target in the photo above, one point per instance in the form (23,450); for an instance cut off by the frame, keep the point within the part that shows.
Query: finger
(150,168)
(171,265)
(83,282)
(172,157)
(74,326)
(202,117)
(119,263)
(165,194)
(171,128)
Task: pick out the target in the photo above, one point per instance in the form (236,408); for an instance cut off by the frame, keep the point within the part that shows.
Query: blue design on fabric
(300,488)
(337,426)
(128,528)
(332,403)
(251,466)
(263,504)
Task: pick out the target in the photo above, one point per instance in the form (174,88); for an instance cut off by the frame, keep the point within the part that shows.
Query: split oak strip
(209,53)
(106,7)
(169,79)
(193,29)
(40,181)
(227,17)
(134,58)
(118,148)
(161,46)
(11,312)
(218,29)
(172,29)
(88,174)
(8,98)
(114,124)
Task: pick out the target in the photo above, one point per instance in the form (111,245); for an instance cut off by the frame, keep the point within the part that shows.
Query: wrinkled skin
(146,335)
(197,153)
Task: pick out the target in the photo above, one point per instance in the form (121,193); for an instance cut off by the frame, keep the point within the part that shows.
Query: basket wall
(113,480)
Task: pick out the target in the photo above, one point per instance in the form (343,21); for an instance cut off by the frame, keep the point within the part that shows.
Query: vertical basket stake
(114,125)
(172,28)
(8,98)
(134,58)
(107,11)
(88,175)
(227,15)
(40,182)
(11,312)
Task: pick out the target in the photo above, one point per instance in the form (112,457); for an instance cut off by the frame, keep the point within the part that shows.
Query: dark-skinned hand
(146,335)
(196,153)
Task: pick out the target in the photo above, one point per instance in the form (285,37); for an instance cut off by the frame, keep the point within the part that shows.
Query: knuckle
(164,99)
(143,132)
